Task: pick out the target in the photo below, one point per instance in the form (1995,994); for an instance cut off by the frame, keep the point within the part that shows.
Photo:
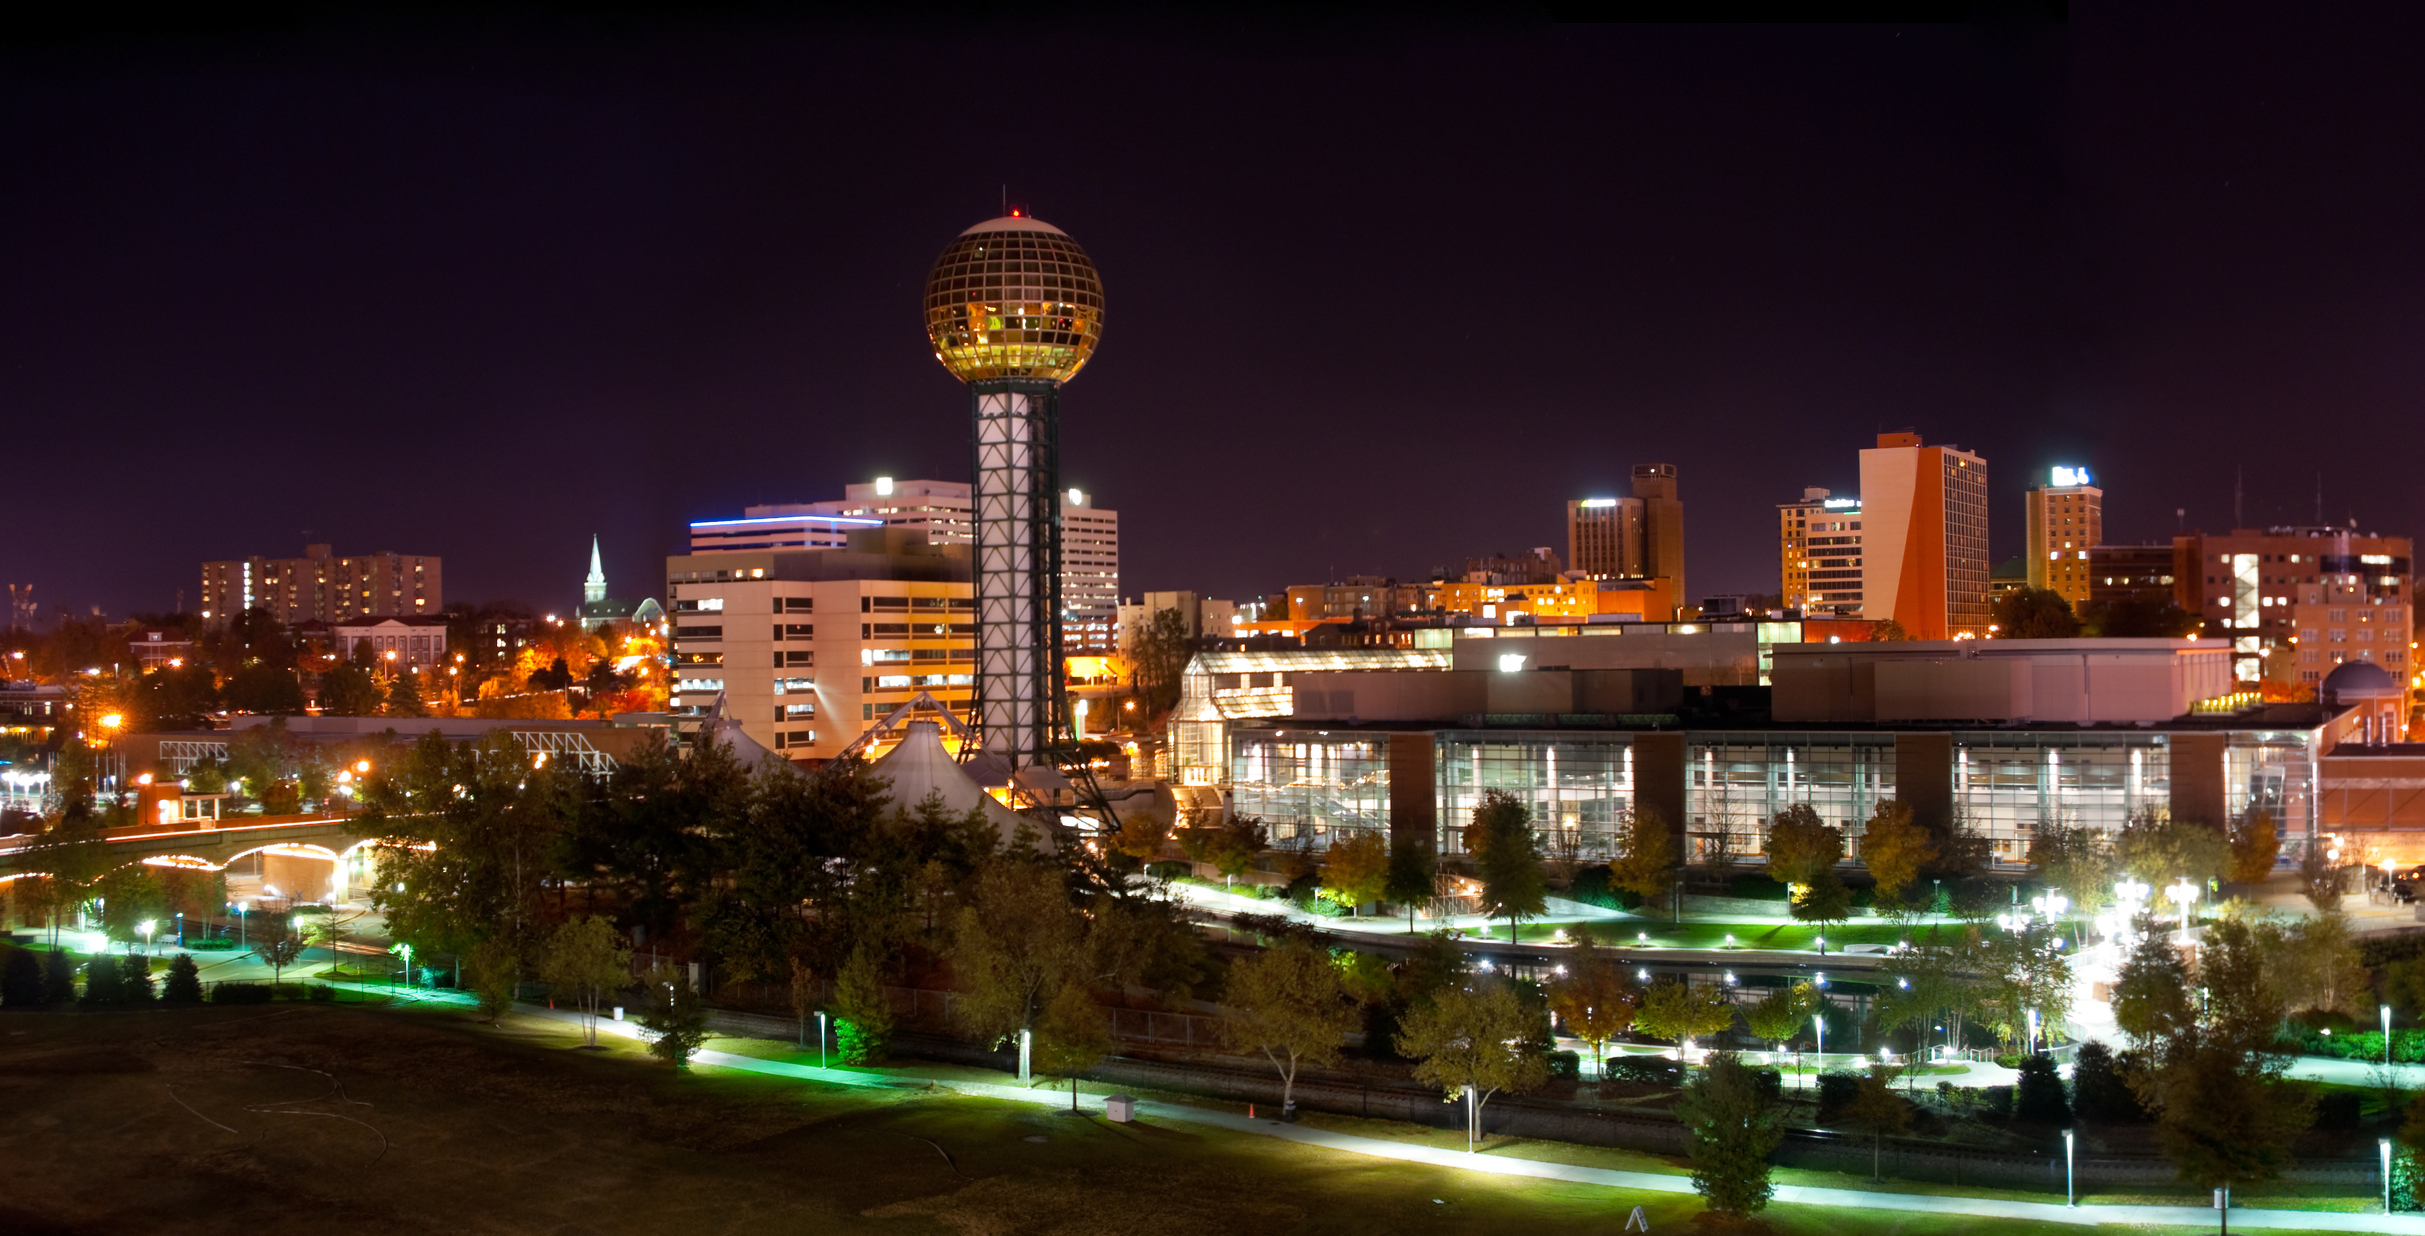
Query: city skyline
(574,285)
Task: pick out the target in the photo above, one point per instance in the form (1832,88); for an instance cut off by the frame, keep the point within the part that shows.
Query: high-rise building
(2066,517)
(2263,587)
(1604,537)
(1014,309)
(2129,573)
(319,587)
(1819,553)
(1924,539)
(811,647)
(945,512)
(1641,537)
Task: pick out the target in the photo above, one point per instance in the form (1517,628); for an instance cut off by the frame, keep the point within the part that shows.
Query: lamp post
(2071,1194)
(2382,1146)
(2385,1010)
(821,1041)
(243,940)
(1027,1041)
(146,928)
(2183,894)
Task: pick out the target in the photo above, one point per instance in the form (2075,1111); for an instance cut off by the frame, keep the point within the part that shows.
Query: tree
(130,897)
(101,980)
(2319,878)
(472,838)
(2099,1090)
(184,985)
(1878,1111)
(1803,851)
(1896,849)
(1780,1014)
(585,960)
(349,691)
(1413,875)
(2151,994)
(495,970)
(1731,1127)
(1157,655)
(1933,981)
(1018,943)
(1507,858)
(2255,843)
(1072,1036)
(135,978)
(2037,1095)
(2035,613)
(2313,963)
(275,943)
(1475,1038)
(1647,861)
(2223,1122)
(404,696)
(2138,618)
(674,1018)
(2075,860)
(264,690)
(1230,846)
(1356,869)
(1594,997)
(2155,847)
(2023,976)
(59,977)
(864,1017)
(1287,1003)
(1676,1010)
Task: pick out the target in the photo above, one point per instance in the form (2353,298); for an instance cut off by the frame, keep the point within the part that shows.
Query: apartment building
(1819,553)
(323,587)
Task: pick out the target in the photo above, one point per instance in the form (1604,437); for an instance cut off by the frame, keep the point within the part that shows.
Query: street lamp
(146,928)
(2071,1195)
(2385,1009)
(242,939)
(821,1041)
(2183,894)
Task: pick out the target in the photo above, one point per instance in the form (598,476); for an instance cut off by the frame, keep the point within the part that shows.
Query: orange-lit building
(1924,537)
(2066,519)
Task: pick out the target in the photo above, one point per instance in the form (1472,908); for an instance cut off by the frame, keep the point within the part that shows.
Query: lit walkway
(2041,1212)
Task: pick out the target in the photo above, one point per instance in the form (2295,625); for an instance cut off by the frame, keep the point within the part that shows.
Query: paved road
(1500,1165)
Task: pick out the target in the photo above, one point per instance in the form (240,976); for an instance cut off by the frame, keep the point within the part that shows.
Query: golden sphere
(1014,298)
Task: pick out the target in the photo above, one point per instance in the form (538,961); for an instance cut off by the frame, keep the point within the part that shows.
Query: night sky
(1378,299)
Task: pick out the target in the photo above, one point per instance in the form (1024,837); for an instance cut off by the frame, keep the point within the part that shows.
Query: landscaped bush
(1565,1064)
(2407,1046)
(1997,1101)
(241,993)
(1169,870)
(1836,1090)
(1646,1070)
(1771,1083)
(21,980)
(322,993)
(1594,886)
(1756,888)
(217,945)
(184,984)
(101,984)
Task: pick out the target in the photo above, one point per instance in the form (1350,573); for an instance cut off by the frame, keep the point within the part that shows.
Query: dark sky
(1378,299)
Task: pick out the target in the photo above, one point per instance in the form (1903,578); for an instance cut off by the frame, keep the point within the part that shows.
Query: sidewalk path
(2040,1212)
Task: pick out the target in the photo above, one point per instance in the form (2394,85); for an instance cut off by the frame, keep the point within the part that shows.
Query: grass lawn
(1712,934)
(310,1119)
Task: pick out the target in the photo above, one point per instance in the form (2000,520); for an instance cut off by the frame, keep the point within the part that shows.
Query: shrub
(241,993)
(1998,1101)
(323,993)
(1756,888)
(1596,886)
(21,980)
(101,984)
(59,977)
(216,944)
(1836,1090)
(1565,1064)
(2098,1092)
(2337,1110)
(184,984)
(1646,1070)
(1169,870)
(1770,1082)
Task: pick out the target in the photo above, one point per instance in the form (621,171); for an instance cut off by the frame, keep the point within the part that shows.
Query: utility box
(1120,1107)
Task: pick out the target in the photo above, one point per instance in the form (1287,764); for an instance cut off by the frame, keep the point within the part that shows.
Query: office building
(320,587)
(2129,573)
(1819,554)
(809,648)
(1924,537)
(2261,587)
(2066,517)
(944,512)
(1641,537)
(2010,739)
(394,643)
(1604,537)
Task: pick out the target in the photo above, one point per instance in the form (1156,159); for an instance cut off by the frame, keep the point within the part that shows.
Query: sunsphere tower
(1014,309)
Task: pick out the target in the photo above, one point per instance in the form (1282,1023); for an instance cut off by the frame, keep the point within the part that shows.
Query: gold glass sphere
(1014,298)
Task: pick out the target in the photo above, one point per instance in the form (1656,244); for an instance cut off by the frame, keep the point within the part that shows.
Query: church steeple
(594,590)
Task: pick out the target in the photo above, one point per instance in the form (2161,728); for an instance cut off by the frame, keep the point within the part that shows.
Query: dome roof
(1014,298)
(2360,680)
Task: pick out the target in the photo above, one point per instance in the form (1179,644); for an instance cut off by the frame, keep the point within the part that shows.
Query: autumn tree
(2255,843)
(2319,878)
(1677,1010)
(1413,875)
(1731,1126)
(2075,860)
(1017,944)
(1286,1002)
(1476,1037)
(1507,858)
(1896,849)
(1780,1014)
(1803,851)
(1594,997)
(2156,847)
(2313,963)
(494,970)
(1356,868)
(2223,1115)
(2035,613)
(1646,862)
